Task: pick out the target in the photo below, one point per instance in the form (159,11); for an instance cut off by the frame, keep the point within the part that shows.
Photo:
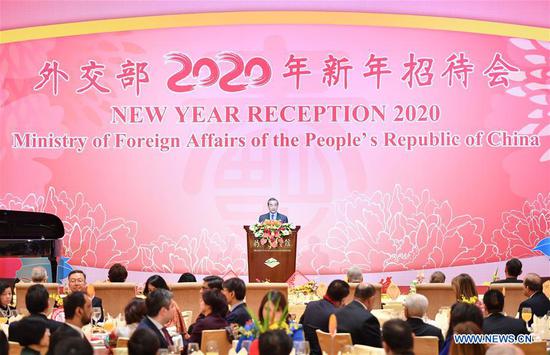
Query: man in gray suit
(273,215)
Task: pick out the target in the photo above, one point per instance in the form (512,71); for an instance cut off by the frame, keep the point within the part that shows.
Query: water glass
(96,314)
(301,348)
(192,348)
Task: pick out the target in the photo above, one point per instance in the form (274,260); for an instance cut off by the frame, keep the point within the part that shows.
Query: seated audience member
(157,282)
(275,342)
(354,275)
(470,349)
(397,337)
(213,306)
(234,290)
(356,318)
(504,349)
(317,313)
(212,282)
(6,298)
(73,346)
(187,277)
(117,273)
(437,278)
(39,274)
(134,312)
(272,310)
(416,306)
(4,344)
(154,282)
(461,312)
(512,270)
(143,342)
(78,313)
(160,311)
(466,290)
(32,334)
(496,322)
(537,301)
(37,300)
(77,283)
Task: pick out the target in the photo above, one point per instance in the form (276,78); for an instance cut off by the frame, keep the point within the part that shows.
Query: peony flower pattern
(91,239)
(398,231)
(94,239)
(521,230)
(532,84)
(209,253)
(22,60)
(384,231)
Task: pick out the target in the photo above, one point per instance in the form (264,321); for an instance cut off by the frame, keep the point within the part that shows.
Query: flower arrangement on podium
(273,234)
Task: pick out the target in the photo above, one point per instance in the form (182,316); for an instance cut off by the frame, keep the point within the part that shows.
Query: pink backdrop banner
(394,148)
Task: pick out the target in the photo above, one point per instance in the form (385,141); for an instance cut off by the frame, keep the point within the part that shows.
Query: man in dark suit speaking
(273,215)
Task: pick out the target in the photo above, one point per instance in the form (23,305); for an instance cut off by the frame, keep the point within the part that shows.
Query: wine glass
(306,346)
(246,345)
(96,314)
(526,315)
(212,347)
(192,348)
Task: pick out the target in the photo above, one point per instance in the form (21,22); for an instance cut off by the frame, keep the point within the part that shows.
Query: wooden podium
(275,265)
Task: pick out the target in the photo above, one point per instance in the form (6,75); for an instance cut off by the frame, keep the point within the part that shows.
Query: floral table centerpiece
(273,234)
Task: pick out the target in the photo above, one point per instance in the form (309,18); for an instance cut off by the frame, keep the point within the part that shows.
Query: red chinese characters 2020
(232,72)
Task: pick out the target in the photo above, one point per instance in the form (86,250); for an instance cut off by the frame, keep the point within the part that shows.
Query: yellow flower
(471,300)
(282,325)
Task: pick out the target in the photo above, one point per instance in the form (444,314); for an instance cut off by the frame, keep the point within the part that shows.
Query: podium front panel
(271,265)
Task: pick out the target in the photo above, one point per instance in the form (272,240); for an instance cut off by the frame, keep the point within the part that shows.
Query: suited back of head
(338,290)
(36,299)
(493,301)
(416,305)
(397,336)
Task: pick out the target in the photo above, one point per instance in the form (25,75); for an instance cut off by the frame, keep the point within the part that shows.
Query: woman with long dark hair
(461,312)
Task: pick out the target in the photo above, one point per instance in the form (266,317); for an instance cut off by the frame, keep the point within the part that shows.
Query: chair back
(15,348)
(513,296)
(21,289)
(438,295)
(377,295)
(255,292)
(187,295)
(330,346)
(427,345)
(115,296)
(219,336)
(122,342)
(535,348)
